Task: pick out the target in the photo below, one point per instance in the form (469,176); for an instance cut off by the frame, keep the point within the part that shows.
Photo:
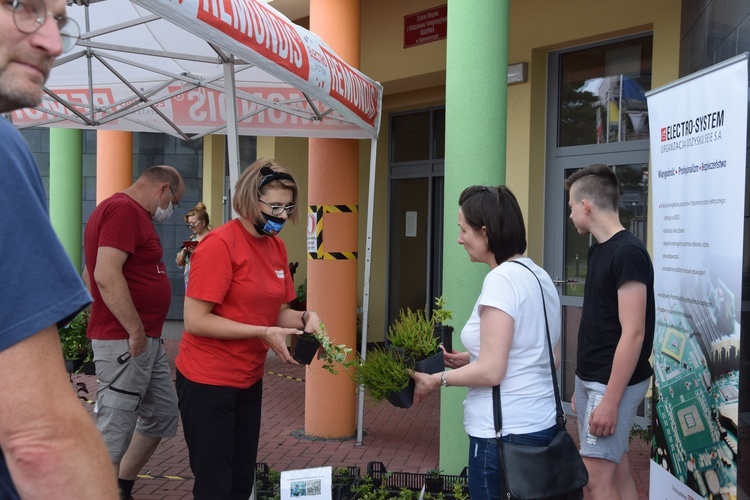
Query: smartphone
(189,243)
(123,357)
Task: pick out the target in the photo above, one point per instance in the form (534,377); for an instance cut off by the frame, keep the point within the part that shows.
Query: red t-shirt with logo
(248,280)
(120,222)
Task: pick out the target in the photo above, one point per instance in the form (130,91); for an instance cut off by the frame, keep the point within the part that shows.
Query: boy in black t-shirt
(616,333)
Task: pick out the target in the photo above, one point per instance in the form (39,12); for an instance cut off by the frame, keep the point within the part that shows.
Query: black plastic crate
(265,486)
(414,480)
(343,486)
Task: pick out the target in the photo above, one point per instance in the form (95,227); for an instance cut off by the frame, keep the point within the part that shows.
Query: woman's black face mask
(272,225)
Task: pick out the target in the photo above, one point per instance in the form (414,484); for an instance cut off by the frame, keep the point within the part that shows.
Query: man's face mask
(162,214)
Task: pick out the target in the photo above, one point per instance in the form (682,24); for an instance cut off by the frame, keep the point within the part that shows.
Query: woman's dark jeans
(485,477)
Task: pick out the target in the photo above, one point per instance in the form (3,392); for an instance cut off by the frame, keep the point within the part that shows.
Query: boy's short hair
(597,183)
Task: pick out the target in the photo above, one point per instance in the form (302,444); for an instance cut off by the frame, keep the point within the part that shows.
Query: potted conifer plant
(413,346)
(412,334)
(385,376)
(76,347)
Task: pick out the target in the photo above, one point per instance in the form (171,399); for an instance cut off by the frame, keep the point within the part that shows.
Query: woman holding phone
(197,220)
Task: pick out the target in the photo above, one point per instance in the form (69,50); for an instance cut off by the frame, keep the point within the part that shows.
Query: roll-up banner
(698,146)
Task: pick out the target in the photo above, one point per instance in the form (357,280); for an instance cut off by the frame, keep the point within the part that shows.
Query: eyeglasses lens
(30,15)
(278,209)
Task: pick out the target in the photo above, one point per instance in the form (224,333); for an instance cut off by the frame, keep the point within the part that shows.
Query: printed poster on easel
(698,145)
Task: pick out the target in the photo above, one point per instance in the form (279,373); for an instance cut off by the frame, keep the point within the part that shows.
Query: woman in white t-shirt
(505,338)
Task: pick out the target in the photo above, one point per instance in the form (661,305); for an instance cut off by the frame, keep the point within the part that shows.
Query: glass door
(596,114)
(415,210)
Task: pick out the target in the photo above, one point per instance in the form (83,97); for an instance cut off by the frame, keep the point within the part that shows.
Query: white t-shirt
(527,394)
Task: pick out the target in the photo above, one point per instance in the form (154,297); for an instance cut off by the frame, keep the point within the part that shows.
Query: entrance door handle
(558,281)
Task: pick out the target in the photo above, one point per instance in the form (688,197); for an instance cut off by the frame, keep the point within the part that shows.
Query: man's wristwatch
(443,382)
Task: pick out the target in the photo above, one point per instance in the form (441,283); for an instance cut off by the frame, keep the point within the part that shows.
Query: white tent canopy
(160,66)
(190,68)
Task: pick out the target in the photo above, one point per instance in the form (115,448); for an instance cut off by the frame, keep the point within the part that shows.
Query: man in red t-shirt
(136,400)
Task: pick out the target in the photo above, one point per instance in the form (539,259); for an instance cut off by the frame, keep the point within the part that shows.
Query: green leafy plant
(405,494)
(332,354)
(433,473)
(269,486)
(73,339)
(639,432)
(302,292)
(459,492)
(439,313)
(381,373)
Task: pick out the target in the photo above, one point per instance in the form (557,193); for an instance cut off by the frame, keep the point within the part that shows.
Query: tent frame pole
(366,291)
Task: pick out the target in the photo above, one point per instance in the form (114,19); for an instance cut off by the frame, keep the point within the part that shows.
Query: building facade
(578,71)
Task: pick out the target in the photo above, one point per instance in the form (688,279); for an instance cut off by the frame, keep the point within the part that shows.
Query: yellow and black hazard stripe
(156,476)
(288,377)
(320,253)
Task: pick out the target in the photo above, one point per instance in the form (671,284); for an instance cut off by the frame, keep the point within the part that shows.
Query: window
(602,93)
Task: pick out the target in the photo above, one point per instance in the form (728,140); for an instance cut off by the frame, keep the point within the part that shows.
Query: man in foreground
(49,442)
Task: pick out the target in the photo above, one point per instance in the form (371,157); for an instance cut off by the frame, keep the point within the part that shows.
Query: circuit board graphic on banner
(698,172)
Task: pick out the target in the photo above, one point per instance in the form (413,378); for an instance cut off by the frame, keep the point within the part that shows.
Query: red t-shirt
(120,222)
(248,280)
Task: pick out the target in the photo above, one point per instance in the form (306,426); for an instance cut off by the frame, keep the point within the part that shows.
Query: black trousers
(222,426)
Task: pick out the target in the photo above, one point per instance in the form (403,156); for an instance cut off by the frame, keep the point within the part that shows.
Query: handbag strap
(498,413)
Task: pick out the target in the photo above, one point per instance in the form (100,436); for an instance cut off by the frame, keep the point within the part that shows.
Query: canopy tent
(161,67)
(196,67)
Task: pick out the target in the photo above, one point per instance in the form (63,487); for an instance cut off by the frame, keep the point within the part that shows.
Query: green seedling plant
(439,313)
(73,339)
(381,374)
(412,332)
(331,354)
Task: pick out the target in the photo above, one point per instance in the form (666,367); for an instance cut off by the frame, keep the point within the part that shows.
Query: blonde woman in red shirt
(236,309)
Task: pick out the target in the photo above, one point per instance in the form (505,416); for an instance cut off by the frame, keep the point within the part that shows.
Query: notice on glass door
(410,225)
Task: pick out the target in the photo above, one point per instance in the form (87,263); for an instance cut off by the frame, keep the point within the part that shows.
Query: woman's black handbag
(555,471)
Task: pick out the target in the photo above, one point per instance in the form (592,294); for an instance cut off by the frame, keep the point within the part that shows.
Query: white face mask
(162,214)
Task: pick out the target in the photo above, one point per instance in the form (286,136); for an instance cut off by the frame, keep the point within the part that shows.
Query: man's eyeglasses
(176,204)
(30,15)
(278,209)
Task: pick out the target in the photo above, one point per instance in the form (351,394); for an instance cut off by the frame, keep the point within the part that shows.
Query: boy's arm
(631,297)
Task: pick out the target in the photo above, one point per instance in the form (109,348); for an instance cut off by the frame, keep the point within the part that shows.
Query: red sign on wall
(426,26)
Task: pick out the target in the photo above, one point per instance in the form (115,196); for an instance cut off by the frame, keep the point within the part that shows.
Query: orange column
(114,162)
(332,283)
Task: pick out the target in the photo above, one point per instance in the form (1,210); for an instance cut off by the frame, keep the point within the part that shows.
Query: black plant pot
(89,368)
(73,365)
(403,398)
(434,484)
(305,348)
(444,334)
(431,364)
